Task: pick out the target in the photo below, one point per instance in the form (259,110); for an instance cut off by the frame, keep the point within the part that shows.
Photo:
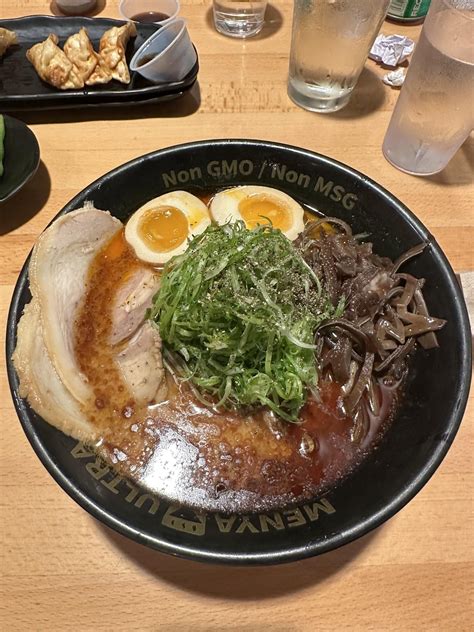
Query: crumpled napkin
(391,50)
(394,78)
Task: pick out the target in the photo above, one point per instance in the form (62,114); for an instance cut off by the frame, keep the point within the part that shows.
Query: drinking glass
(239,18)
(330,42)
(434,113)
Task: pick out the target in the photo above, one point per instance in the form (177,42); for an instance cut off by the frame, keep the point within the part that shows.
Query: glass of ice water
(239,18)
(330,42)
(434,113)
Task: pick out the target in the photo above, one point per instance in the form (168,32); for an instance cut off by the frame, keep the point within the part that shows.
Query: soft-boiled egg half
(160,229)
(257,205)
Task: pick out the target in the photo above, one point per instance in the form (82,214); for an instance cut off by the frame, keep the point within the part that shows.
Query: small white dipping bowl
(168,55)
(129,8)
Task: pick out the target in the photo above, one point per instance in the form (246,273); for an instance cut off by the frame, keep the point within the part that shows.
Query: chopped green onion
(238,312)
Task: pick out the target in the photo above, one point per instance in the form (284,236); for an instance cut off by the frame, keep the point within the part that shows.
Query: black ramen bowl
(21,157)
(412,448)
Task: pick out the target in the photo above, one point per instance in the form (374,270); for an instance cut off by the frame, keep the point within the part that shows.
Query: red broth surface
(226,461)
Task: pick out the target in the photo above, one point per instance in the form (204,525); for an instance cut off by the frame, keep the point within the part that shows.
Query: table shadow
(98,9)
(176,108)
(367,97)
(238,583)
(25,204)
(273,23)
(459,169)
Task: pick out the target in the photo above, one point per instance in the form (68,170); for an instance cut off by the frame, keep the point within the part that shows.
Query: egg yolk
(163,229)
(259,209)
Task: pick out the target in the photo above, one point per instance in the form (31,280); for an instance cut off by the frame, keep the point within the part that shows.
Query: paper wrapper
(391,50)
(394,78)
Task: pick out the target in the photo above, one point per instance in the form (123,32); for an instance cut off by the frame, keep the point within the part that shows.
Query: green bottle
(408,11)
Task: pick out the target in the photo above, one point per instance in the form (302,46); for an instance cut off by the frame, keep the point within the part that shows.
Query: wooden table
(62,570)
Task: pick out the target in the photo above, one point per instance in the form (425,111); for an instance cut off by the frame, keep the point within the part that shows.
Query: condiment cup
(168,54)
(75,7)
(131,8)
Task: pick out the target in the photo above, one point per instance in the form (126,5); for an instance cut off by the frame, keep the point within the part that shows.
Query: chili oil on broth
(190,454)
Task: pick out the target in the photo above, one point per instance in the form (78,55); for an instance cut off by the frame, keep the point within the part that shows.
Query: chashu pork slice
(133,299)
(58,276)
(141,366)
(40,383)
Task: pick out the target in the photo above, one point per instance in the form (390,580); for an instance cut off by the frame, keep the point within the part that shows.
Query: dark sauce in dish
(149,17)
(145,59)
(213,460)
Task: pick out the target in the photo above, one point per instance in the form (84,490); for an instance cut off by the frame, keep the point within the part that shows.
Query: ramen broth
(221,460)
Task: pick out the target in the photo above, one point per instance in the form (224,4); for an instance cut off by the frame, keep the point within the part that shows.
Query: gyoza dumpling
(7,38)
(52,65)
(113,44)
(101,74)
(79,51)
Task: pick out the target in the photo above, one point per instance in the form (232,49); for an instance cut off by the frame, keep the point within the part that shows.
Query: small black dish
(412,448)
(21,157)
(22,89)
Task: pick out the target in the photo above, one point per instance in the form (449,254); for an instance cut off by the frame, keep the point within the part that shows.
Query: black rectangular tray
(22,89)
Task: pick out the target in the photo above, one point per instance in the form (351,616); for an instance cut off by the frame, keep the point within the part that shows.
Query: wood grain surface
(61,569)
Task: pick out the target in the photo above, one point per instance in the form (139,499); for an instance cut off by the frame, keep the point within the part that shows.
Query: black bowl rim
(9,121)
(289,554)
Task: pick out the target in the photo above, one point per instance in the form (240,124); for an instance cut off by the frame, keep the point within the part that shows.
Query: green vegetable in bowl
(237,313)
(2,138)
